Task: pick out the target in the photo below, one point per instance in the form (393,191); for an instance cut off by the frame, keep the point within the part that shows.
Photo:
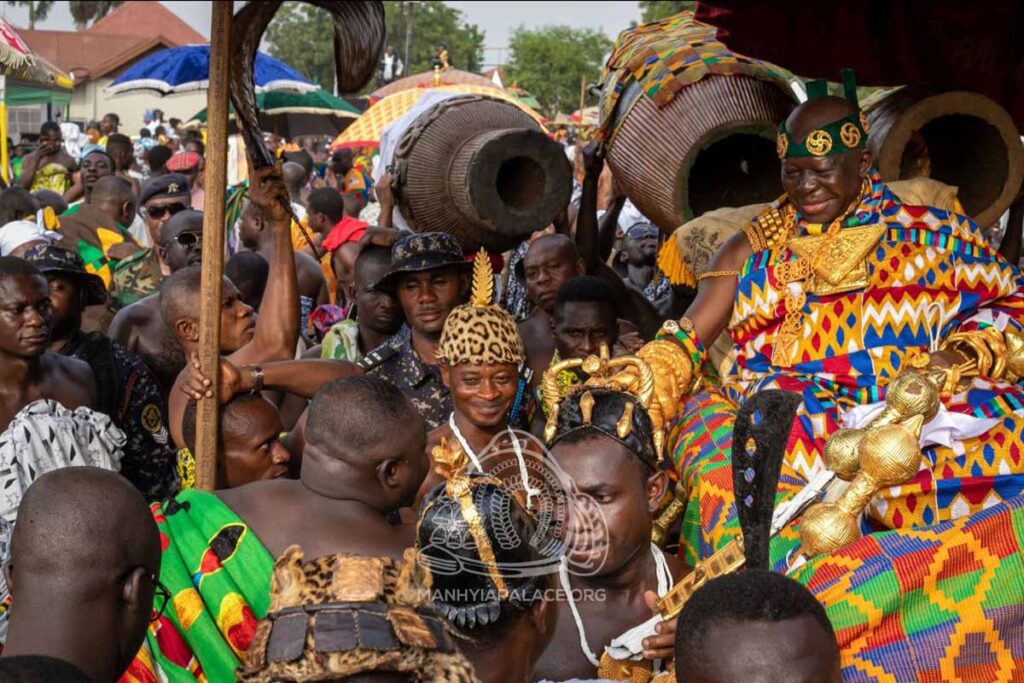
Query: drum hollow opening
(520,182)
(962,150)
(736,170)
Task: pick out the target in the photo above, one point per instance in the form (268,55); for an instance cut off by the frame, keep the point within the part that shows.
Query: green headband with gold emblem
(849,132)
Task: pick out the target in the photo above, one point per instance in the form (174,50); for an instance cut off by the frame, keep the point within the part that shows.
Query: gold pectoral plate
(838,261)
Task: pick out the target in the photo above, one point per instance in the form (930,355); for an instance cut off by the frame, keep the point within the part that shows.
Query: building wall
(89,102)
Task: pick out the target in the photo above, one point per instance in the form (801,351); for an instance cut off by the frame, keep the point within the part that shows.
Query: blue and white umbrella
(186,68)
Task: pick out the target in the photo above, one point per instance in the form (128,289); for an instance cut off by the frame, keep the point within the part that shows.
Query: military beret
(170,185)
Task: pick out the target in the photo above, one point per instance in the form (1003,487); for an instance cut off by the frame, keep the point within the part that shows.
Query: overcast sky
(497,18)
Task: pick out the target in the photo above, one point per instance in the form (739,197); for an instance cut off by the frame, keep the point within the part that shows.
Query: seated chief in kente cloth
(832,292)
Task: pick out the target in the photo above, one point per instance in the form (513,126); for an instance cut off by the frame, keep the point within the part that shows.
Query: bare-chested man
(256,236)
(246,339)
(359,464)
(139,327)
(615,575)
(28,370)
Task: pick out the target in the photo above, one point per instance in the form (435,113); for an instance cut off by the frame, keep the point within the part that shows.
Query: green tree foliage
(549,63)
(433,23)
(37,10)
(85,11)
(656,10)
(302,36)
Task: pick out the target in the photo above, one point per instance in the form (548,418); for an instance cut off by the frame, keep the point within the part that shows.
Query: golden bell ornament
(890,455)
(911,394)
(825,528)
(841,452)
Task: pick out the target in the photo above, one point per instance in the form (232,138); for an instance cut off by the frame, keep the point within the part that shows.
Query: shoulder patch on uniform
(377,357)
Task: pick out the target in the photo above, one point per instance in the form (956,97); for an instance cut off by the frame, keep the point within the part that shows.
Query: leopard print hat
(480,332)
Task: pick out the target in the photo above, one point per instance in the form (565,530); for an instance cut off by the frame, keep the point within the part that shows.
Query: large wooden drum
(958,138)
(481,170)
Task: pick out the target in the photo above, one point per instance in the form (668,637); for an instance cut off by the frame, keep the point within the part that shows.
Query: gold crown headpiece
(626,374)
(659,376)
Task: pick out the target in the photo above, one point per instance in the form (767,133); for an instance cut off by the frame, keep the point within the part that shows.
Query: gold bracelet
(993,338)
(973,346)
(717,273)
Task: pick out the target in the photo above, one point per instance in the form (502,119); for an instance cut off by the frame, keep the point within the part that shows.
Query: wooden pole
(583,96)
(213,238)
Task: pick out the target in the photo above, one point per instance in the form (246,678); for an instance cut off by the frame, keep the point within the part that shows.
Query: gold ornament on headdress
(483,281)
(480,331)
(781,145)
(850,135)
(864,123)
(451,462)
(819,143)
(627,374)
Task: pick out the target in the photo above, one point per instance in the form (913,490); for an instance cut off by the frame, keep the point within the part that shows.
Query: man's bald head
(294,176)
(85,553)
(550,262)
(374,450)
(179,294)
(79,527)
(556,242)
(113,195)
(374,407)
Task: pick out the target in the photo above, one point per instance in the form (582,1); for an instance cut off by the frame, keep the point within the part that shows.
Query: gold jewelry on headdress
(781,145)
(480,332)
(599,371)
(587,407)
(625,423)
(819,143)
(850,135)
(864,122)
(450,462)
(483,281)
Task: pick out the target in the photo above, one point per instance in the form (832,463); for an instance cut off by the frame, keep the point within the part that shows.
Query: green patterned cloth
(218,574)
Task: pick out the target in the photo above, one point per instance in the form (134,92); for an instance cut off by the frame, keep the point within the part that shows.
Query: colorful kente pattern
(931,274)
(668,55)
(937,604)
(218,574)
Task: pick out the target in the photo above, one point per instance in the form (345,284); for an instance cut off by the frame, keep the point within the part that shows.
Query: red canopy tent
(889,42)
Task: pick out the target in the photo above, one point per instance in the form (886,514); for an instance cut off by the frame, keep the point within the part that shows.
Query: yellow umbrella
(367,129)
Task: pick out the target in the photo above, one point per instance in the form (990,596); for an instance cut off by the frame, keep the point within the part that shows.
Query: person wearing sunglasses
(139,327)
(638,260)
(84,572)
(163,197)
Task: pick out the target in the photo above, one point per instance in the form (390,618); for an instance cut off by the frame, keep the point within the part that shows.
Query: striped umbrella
(366,130)
(289,114)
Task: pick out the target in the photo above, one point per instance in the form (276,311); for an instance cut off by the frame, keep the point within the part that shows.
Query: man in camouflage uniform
(430,277)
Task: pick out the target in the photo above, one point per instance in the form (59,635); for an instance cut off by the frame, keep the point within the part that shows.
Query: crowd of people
(446,466)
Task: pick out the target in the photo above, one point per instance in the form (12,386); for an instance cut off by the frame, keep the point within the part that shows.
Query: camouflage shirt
(417,380)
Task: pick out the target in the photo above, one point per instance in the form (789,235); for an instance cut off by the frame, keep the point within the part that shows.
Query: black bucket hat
(50,260)
(419,252)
